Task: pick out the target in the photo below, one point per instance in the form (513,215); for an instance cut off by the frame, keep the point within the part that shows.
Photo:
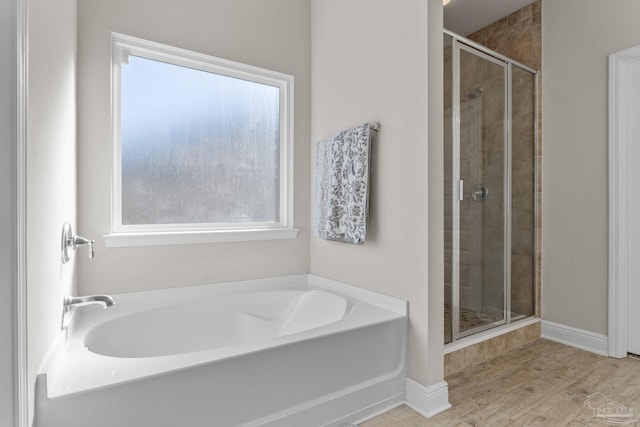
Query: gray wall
(8,84)
(51,175)
(435,235)
(273,35)
(369,63)
(578,36)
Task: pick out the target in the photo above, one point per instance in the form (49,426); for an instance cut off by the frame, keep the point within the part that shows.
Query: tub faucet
(69,302)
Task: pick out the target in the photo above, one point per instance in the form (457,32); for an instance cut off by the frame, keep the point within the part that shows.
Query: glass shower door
(480,172)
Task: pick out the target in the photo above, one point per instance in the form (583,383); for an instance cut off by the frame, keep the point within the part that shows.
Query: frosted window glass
(197,147)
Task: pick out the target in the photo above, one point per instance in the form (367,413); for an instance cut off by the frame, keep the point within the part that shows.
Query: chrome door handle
(480,194)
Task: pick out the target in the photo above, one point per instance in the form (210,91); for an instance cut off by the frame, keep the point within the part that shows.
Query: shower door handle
(461,190)
(480,194)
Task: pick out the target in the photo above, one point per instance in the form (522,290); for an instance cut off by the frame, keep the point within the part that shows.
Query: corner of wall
(51,173)
(427,401)
(9,375)
(435,178)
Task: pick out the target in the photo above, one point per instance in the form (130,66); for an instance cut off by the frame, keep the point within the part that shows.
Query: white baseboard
(578,338)
(427,401)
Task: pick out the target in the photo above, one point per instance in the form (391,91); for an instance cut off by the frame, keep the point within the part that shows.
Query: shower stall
(490,188)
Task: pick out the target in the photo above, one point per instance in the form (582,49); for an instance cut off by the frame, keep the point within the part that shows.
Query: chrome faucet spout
(71,302)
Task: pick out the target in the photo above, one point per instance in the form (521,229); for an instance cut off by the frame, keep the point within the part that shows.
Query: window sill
(123,240)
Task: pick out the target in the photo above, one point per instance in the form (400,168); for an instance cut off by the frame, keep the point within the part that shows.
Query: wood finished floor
(541,384)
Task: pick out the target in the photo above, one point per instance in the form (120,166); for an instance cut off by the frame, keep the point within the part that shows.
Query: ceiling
(467,16)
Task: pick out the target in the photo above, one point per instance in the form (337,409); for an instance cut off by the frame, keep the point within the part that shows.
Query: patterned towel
(342,185)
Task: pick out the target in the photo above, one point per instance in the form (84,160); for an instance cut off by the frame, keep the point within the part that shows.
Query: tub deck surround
(294,350)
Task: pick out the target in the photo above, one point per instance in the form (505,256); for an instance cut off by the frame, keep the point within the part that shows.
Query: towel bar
(375,127)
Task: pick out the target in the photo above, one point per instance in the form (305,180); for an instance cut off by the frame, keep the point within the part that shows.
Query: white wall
(8,84)
(51,176)
(577,37)
(273,35)
(369,63)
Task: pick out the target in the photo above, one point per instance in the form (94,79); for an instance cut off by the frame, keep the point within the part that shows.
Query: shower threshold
(516,323)
(472,322)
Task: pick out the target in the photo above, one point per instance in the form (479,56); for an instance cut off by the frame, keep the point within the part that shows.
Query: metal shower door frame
(458,42)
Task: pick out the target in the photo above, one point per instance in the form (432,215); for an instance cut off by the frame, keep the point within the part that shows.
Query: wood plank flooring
(540,384)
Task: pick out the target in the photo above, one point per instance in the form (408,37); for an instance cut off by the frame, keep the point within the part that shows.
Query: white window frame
(169,234)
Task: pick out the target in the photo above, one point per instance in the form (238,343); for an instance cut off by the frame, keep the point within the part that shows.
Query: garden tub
(289,351)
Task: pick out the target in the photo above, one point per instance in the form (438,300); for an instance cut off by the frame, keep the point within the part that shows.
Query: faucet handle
(91,242)
(71,242)
(81,241)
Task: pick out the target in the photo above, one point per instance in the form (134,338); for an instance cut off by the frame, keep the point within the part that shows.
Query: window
(202,148)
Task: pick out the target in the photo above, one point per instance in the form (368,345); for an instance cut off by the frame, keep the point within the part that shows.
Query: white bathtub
(291,351)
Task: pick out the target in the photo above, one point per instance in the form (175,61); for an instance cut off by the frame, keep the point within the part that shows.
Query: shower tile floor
(469,319)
